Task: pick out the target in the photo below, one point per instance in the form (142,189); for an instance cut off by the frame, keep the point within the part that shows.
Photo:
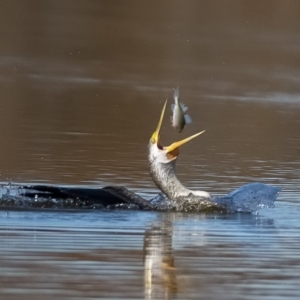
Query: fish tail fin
(188,119)
(176,92)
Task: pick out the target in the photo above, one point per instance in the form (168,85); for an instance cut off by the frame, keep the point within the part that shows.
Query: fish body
(180,118)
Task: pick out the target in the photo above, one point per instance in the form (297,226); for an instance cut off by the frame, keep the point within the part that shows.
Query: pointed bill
(155,135)
(176,145)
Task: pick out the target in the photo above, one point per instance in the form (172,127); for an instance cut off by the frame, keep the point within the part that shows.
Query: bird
(174,195)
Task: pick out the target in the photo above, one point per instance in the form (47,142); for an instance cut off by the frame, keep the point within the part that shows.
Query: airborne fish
(180,117)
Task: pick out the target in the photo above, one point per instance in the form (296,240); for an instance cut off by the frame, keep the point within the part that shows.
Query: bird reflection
(160,271)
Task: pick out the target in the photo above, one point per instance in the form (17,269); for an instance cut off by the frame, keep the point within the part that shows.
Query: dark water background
(82,84)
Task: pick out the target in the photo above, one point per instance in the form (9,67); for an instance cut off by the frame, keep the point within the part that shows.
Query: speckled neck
(164,176)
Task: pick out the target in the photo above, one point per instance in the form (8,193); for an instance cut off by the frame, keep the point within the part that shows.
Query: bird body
(175,196)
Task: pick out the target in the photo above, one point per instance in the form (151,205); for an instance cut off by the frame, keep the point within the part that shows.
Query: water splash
(246,199)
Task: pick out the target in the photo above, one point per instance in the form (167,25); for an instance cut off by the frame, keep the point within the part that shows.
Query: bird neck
(164,176)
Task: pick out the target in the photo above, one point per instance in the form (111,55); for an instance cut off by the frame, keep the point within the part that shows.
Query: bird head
(165,154)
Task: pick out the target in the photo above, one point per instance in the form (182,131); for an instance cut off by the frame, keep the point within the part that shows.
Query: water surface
(82,84)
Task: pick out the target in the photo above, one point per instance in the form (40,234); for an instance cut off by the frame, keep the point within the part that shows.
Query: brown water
(82,84)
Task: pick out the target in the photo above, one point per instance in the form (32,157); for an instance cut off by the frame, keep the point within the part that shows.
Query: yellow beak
(176,145)
(155,135)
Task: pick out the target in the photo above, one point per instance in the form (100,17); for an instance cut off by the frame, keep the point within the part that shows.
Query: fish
(180,118)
